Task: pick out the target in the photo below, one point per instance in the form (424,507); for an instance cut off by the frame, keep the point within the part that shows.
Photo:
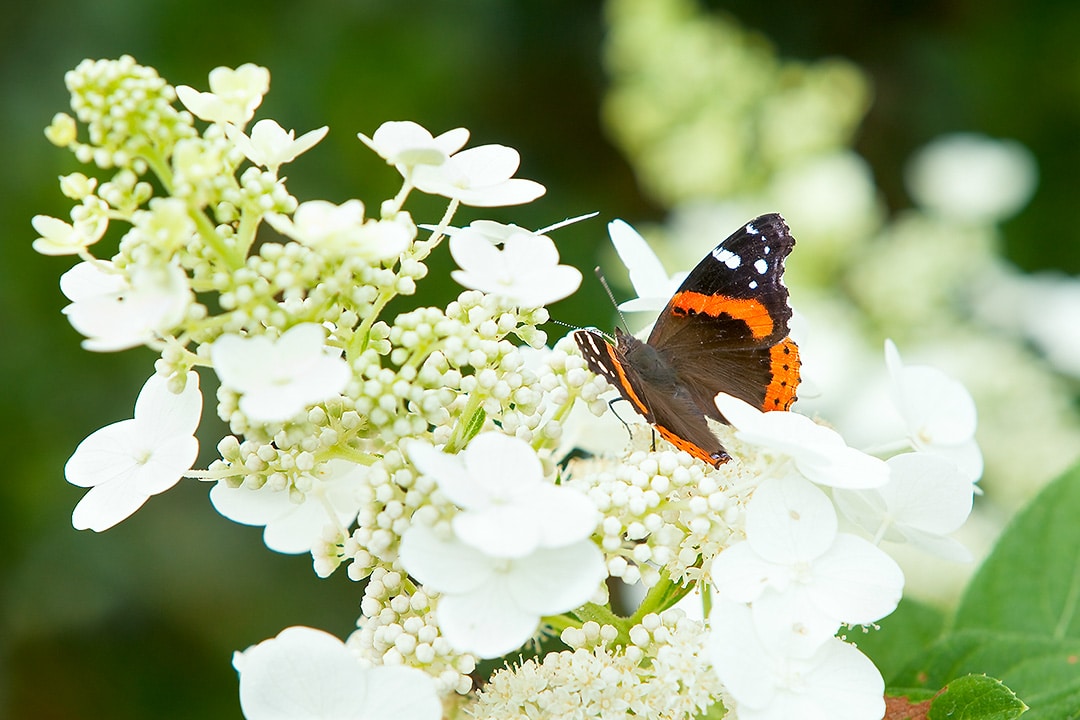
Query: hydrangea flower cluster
(429,452)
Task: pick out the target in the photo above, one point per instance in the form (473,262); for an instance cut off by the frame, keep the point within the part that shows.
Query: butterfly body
(724,330)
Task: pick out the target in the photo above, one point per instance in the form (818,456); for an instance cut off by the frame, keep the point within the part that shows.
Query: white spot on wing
(753,284)
(727,257)
(761,266)
(751,229)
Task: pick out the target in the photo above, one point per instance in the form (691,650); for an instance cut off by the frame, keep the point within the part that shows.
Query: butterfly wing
(726,328)
(670,408)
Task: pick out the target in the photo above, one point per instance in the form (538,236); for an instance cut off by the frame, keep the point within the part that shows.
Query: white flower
(62,238)
(509,508)
(341,229)
(114,314)
(837,682)
(802,578)
(651,282)
(818,452)
(481,177)
(405,144)
(972,177)
(307,673)
(492,605)
(233,96)
(336,493)
(270,145)
(279,378)
(125,463)
(938,412)
(925,499)
(526,271)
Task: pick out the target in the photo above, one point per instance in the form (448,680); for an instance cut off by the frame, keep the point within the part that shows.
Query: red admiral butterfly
(724,330)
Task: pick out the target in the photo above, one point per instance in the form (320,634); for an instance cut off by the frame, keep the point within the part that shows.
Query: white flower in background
(654,287)
(802,578)
(926,499)
(295,526)
(972,178)
(125,463)
(233,96)
(490,605)
(279,378)
(509,509)
(481,177)
(818,452)
(836,682)
(270,146)
(938,412)
(115,314)
(307,673)
(62,238)
(405,144)
(526,271)
(342,230)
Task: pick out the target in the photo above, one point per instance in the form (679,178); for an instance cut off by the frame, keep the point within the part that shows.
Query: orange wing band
(784,364)
(750,311)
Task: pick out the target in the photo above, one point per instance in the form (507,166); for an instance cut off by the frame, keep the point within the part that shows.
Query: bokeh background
(656,111)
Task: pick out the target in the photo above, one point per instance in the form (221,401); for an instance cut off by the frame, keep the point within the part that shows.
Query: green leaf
(1031,581)
(901,637)
(1044,672)
(976,697)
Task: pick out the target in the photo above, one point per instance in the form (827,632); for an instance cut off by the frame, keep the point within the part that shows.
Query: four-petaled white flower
(270,146)
(405,144)
(802,578)
(336,493)
(233,96)
(481,177)
(125,463)
(926,499)
(279,378)
(526,271)
(836,681)
(938,412)
(309,673)
(654,287)
(509,508)
(342,230)
(818,452)
(63,238)
(492,605)
(115,314)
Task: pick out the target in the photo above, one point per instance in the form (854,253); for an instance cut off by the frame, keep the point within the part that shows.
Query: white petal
(556,580)
(400,693)
(485,622)
(515,191)
(504,466)
(739,658)
(789,521)
(447,565)
(250,507)
(790,624)
(302,673)
(647,274)
(856,582)
(298,530)
(927,493)
(503,531)
(487,164)
(565,515)
(448,471)
(168,413)
(473,253)
(739,574)
(106,505)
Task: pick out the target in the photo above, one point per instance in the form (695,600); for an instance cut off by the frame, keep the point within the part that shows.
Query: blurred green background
(140,621)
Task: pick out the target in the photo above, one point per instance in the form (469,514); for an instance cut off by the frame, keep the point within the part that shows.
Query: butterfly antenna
(611,297)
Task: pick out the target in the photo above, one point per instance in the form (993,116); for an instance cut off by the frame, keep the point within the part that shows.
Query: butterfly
(724,330)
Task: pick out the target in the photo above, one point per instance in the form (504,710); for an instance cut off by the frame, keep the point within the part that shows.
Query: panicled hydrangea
(431,450)
(658,670)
